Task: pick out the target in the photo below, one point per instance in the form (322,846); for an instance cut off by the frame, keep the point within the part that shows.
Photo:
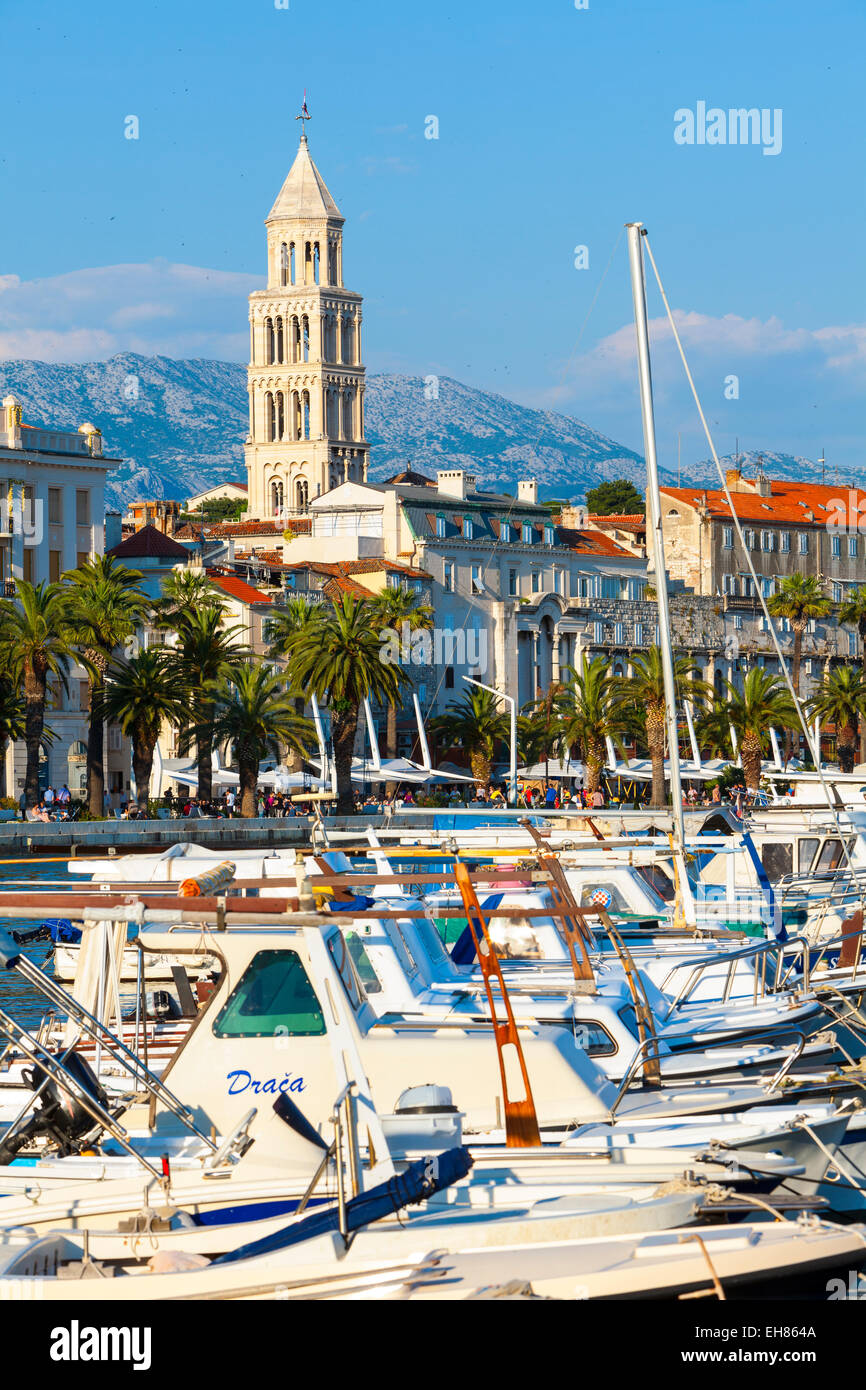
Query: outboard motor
(60,1116)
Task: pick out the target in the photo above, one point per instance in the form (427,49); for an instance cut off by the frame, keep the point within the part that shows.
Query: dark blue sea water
(25,1004)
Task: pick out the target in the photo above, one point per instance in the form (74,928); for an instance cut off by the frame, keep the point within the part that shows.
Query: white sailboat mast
(654,508)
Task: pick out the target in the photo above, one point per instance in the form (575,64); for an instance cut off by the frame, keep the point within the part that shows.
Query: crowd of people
(52,805)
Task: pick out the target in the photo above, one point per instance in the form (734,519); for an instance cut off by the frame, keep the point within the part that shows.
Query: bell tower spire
(305,378)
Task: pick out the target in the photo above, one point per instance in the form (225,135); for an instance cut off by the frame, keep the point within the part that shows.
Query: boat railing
(759,953)
(650,1044)
(11,958)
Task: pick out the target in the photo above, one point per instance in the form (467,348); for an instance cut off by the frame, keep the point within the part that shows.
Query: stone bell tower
(305,378)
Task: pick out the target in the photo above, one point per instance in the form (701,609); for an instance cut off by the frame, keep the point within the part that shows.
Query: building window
(477,586)
(750,540)
(527,533)
(728,537)
(852,643)
(610,588)
(638,634)
(804,542)
(536,582)
(114,738)
(54,562)
(729,584)
(84,696)
(738,622)
(785,541)
(82,558)
(512,583)
(448,577)
(55,510)
(767,540)
(852,547)
(599,632)
(82,507)
(449,677)
(440,528)
(837,591)
(468,528)
(549,535)
(835,546)
(28,564)
(619,634)
(505,531)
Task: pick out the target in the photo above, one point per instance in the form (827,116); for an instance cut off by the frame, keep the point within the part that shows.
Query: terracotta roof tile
(238,589)
(590,543)
(788,502)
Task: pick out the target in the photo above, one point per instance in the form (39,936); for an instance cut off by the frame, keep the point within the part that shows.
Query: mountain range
(179,426)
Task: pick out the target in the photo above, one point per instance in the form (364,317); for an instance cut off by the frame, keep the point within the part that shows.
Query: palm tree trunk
(480,765)
(248,776)
(95,750)
(344,726)
(750,752)
(143,745)
(593,762)
(34,723)
(846,743)
(655,728)
(204,766)
(391,744)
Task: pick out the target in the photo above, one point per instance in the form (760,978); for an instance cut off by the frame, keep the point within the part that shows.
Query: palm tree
(799,599)
(593,711)
(545,713)
(105,604)
(393,608)
(645,689)
(141,694)
(297,616)
(714,730)
(205,654)
(36,637)
(841,700)
(257,714)
(476,723)
(853,611)
(763,702)
(340,658)
(184,591)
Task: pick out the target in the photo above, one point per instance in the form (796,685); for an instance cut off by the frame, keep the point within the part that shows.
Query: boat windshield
(273,997)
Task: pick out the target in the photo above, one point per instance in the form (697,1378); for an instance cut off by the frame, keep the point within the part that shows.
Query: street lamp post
(512,768)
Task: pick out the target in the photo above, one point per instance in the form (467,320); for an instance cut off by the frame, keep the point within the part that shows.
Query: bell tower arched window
(302,494)
(284,264)
(279,336)
(269,341)
(305,412)
(270,419)
(281,416)
(305,338)
(316,266)
(276,498)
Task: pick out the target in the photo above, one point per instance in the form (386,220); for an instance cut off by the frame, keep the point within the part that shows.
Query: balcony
(741,603)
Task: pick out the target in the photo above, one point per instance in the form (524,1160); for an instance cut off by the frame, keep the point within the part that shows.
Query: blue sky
(556,125)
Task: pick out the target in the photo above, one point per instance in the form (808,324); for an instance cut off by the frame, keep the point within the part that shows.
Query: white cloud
(156,307)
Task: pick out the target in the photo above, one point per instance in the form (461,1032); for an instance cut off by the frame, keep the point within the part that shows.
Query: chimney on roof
(735,481)
(527,491)
(762,483)
(454,482)
(573,517)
